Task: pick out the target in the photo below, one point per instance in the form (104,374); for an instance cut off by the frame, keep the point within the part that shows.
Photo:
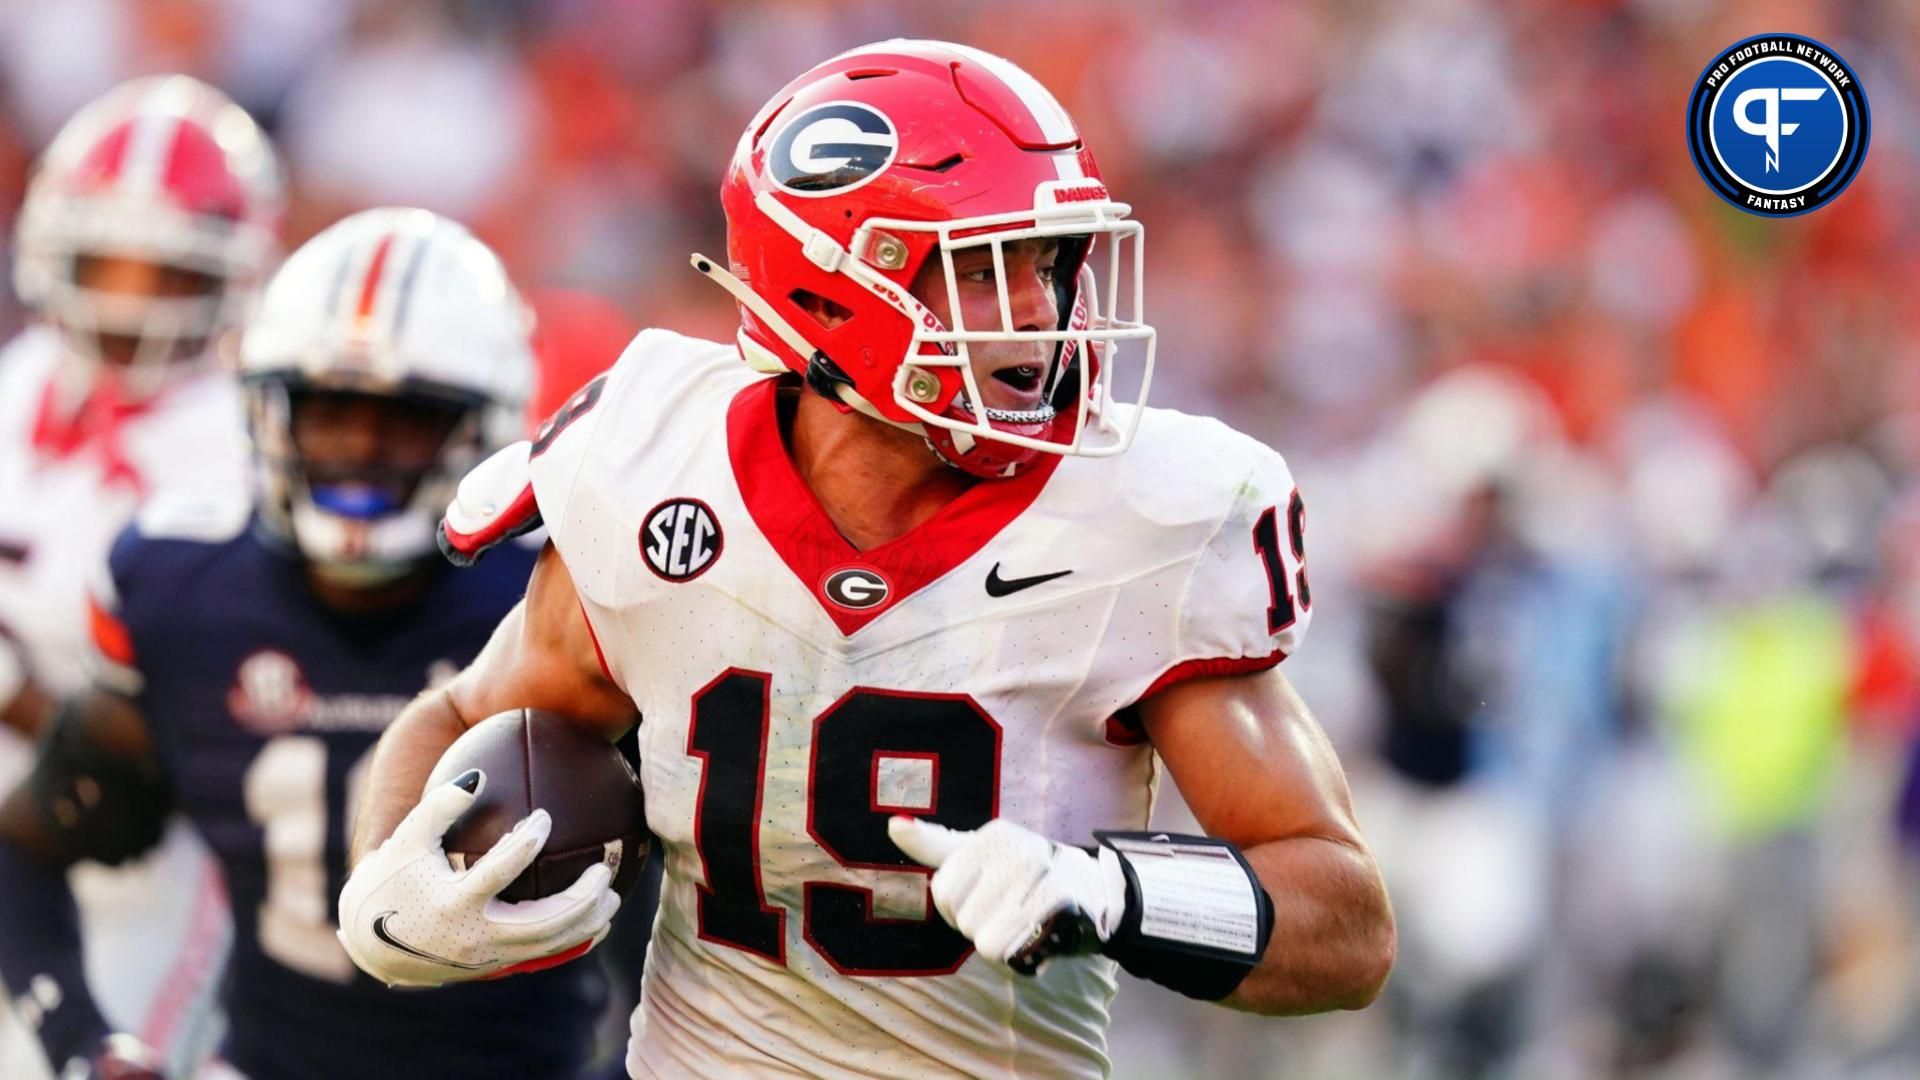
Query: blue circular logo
(1778,125)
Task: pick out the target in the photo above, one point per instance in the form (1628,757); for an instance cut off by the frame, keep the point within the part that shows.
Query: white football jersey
(797,692)
(67,490)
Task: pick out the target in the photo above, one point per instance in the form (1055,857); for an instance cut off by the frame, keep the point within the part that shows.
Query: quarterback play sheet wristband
(1197,919)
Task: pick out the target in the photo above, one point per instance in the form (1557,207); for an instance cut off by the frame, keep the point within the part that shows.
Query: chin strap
(758,359)
(761,359)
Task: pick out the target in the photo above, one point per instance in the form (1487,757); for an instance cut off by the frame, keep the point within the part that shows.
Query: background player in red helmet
(149,222)
(907,627)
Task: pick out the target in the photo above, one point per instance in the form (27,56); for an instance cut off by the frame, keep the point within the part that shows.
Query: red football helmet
(166,170)
(863,168)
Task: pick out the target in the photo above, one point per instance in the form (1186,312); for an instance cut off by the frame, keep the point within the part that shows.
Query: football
(541,760)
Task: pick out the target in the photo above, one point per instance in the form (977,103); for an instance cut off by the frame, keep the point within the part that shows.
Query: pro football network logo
(832,148)
(1778,125)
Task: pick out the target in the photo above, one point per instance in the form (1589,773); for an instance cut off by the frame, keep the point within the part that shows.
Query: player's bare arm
(1256,769)
(1279,909)
(541,656)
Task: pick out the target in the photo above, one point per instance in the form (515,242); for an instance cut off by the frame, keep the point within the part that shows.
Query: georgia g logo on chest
(680,539)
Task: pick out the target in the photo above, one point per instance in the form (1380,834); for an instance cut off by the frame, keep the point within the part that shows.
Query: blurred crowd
(1614,491)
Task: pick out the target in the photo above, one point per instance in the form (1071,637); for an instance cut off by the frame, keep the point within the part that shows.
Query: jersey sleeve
(577,443)
(1212,530)
(601,452)
(499,500)
(1247,602)
(515,491)
(594,463)
(1236,602)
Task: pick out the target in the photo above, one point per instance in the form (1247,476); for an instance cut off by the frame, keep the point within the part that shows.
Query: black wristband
(1191,924)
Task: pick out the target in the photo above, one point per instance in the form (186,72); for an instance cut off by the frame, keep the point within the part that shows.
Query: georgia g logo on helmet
(832,148)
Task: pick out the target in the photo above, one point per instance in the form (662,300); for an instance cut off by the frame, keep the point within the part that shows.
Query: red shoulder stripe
(1198,669)
(521,516)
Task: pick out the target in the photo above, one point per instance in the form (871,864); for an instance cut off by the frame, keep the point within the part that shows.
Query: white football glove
(1019,897)
(408,918)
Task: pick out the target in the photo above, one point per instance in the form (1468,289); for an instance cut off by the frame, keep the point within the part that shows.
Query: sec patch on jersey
(680,539)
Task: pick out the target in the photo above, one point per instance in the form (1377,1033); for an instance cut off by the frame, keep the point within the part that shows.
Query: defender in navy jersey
(250,653)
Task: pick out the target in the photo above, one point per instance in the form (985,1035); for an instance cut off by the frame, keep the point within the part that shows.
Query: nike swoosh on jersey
(380,931)
(999,586)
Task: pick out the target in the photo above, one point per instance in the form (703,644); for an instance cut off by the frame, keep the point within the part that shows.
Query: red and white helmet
(164,169)
(397,303)
(862,169)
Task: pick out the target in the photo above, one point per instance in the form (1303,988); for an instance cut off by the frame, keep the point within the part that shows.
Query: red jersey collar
(95,424)
(832,570)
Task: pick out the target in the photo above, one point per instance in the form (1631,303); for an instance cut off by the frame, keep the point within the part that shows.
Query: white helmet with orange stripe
(404,316)
(166,172)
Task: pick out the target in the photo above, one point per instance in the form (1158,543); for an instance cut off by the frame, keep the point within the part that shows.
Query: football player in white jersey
(148,224)
(907,628)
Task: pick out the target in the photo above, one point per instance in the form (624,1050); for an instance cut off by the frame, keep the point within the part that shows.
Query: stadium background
(1615,536)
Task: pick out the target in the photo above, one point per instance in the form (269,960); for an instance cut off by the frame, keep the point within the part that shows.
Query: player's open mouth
(1023,399)
(1024,378)
(1041,412)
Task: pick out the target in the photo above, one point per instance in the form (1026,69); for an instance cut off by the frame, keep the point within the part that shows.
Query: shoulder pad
(494,504)
(197,515)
